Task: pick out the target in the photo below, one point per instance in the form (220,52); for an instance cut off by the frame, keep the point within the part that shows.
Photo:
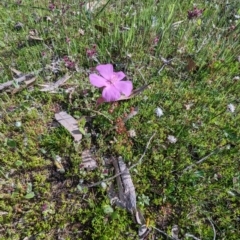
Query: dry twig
(204,158)
(192,236)
(20,79)
(54,86)
(214,230)
(99,113)
(127,169)
(168,237)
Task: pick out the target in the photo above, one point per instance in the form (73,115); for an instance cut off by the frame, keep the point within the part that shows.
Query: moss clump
(192,68)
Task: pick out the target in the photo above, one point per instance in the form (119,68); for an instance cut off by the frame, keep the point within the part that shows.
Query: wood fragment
(88,161)
(16,72)
(175,232)
(30,81)
(53,87)
(69,123)
(33,38)
(127,194)
(20,79)
(139,217)
(27,82)
(143,231)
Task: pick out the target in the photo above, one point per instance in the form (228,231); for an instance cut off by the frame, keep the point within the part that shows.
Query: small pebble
(231,107)
(159,112)
(172,139)
(18,124)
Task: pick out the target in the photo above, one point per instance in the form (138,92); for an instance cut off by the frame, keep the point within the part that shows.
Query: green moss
(194,103)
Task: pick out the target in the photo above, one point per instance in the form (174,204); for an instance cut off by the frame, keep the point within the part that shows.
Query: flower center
(113,79)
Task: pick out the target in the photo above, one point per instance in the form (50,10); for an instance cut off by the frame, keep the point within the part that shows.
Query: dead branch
(214,230)
(204,158)
(54,86)
(99,113)
(20,79)
(162,232)
(127,169)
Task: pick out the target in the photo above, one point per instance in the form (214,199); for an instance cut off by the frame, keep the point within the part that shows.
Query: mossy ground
(38,202)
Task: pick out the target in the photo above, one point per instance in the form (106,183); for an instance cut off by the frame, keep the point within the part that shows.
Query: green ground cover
(189,175)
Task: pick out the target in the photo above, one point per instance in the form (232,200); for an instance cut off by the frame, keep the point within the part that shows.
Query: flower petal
(111,94)
(98,81)
(106,70)
(120,75)
(124,87)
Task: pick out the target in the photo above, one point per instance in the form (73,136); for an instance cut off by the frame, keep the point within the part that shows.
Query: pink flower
(112,83)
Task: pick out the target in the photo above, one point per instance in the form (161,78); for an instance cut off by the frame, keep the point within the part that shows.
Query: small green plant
(143,200)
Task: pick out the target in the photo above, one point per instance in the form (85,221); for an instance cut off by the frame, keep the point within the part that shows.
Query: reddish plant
(91,52)
(195,13)
(51,6)
(69,63)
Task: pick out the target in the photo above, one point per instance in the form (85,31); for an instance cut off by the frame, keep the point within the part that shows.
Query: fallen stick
(162,232)
(53,86)
(20,79)
(214,230)
(127,169)
(204,158)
